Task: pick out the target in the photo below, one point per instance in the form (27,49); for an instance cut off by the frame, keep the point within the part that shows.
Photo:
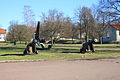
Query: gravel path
(103,69)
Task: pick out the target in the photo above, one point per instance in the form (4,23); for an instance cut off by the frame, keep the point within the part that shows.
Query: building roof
(115,25)
(2,31)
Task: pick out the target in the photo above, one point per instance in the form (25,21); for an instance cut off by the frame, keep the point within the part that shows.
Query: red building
(2,34)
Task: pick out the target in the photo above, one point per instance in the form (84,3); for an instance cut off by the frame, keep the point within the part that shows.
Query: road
(103,69)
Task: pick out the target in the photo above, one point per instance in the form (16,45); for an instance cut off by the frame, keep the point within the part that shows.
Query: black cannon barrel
(38,27)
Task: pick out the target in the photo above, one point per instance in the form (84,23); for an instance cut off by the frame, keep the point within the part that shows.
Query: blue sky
(13,9)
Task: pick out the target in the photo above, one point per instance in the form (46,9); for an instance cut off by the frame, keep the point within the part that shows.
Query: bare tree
(86,22)
(19,33)
(111,8)
(29,16)
(78,17)
(11,36)
(66,30)
(102,23)
(108,11)
(52,24)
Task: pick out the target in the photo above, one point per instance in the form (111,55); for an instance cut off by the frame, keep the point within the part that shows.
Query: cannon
(38,41)
(88,46)
(31,47)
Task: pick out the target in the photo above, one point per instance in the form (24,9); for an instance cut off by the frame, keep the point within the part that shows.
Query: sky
(13,9)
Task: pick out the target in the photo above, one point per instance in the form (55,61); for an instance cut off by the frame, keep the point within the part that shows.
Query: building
(2,34)
(112,33)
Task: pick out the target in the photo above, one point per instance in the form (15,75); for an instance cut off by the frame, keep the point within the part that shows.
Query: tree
(66,30)
(52,24)
(30,23)
(86,22)
(11,36)
(78,16)
(108,11)
(29,16)
(111,8)
(102,23)
(19,33)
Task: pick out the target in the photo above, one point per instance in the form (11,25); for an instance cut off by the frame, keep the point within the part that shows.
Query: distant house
(2,34)
(112,33)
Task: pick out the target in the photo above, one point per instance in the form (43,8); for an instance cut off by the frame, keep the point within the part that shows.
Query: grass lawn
(58,52)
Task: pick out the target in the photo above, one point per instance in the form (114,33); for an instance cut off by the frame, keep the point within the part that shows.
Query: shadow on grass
(69,46)
(108,51)
(10,48)
(70,51)
(42,49)
(12,55)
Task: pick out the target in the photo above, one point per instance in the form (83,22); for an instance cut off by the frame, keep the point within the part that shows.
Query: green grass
(58,52)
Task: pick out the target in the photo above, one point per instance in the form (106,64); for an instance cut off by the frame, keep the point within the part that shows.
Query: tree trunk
(51,41)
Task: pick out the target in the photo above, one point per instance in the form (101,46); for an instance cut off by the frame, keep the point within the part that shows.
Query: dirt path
(104,69)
